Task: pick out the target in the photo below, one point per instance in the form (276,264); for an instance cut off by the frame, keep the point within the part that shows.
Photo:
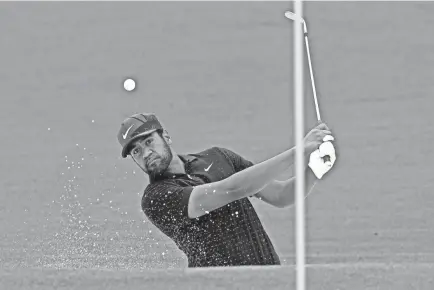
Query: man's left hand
(322,160)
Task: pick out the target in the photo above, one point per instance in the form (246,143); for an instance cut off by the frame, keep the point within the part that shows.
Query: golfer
(201,201)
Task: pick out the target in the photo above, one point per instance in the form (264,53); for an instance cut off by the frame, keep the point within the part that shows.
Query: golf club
(295,17)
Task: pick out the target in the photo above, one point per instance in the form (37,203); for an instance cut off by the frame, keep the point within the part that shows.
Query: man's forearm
(253,179)
(287,196)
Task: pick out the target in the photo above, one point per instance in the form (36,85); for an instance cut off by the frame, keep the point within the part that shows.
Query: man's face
(152,154)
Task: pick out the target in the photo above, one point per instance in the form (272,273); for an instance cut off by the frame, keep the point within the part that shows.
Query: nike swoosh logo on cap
(126,133)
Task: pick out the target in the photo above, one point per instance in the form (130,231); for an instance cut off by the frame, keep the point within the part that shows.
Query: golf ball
(129,85)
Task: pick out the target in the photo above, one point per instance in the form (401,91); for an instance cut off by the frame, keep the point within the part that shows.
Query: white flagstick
(299,154)
(298,18)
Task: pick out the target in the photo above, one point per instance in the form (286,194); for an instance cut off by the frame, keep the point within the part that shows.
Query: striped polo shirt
(232,235)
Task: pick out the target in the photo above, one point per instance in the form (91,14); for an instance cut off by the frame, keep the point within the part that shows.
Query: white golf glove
(316,161)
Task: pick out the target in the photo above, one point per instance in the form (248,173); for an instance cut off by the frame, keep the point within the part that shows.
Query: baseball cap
(136,126)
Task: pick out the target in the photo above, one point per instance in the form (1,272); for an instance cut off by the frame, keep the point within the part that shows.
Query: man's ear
(167,137)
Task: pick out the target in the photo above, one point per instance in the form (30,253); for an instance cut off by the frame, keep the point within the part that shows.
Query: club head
(293,16)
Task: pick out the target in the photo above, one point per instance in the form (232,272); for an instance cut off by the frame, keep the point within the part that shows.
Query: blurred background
(216,74)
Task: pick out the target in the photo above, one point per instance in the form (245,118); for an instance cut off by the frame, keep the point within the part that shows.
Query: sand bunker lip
(320,276)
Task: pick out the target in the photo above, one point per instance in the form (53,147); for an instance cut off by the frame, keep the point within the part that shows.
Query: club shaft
(311,77)
(295,17)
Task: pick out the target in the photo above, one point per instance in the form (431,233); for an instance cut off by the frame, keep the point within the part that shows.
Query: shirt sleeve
(166,205)
(239,162)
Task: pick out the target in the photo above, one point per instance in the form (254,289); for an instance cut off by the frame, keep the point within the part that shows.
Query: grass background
(216,74)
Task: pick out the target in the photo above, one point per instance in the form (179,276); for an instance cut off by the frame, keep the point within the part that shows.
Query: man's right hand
(315,138)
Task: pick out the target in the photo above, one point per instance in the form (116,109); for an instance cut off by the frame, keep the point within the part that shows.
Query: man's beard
(164,160)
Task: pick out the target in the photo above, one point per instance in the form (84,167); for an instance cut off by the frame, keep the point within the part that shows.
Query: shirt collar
(186,159)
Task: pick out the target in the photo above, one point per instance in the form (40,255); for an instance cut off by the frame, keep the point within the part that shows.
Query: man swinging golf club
(201,201)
